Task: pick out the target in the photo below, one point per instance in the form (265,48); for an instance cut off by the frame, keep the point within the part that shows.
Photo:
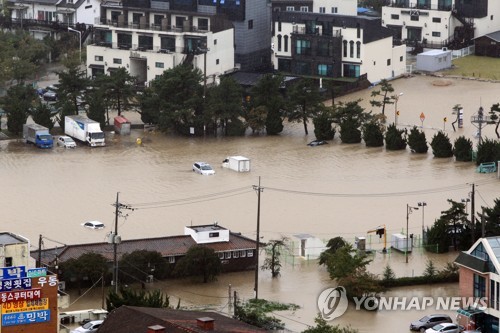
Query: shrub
(463,149)
(394,138)
(417,141)
(441,145)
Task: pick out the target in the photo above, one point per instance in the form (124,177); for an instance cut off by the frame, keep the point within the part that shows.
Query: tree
(372,134)
(130,297)
(495,117)
(199,261)
(138,264)
(441,145)
(303,102)
(323,327)
(97,106)
(417,141)
(323,129)
(488,151)
(331,247)
(72,85)
(395,138)
(273,263)
(224,103)
(350,117)
(17,104)
(388,276)
(88,267)
(462,149)
(42,115)
(119,88)
(256,118)
(491,217)
(452,228)
(267,93)
(430,271)
(384,92)
(345,261)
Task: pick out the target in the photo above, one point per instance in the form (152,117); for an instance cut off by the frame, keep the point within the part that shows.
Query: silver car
(66,142)
(444,328)
(429,321)
(89,327)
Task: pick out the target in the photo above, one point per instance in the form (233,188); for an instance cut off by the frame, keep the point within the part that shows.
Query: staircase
(463,34)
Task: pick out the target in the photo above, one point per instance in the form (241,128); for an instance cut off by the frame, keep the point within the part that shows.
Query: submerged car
(203,168)
(66,142)
(93,225)
(444,328)
(317,143)
(90,327)
(429,321)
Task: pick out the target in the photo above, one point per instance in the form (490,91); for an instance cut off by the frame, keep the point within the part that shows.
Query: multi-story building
(344,7)
(335,46)
(441,22)
(15,251)
(479,274)
(146,39)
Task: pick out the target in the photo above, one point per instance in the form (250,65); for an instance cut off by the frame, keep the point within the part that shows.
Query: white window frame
(236,254)
(227,255)
(335,10)
(249,253)
(171,260)
(243,253)
(221,255)
(304,9)
(290,8)
(322,10)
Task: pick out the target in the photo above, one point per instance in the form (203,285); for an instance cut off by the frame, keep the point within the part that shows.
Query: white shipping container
(398,242)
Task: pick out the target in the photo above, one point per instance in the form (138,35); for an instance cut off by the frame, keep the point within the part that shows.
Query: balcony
(153,26)
(427,5)
(318,31)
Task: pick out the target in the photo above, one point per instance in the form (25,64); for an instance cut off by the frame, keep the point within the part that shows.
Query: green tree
(323,327)
(97,106)
(17,103)
(42,115)
(131,297)
(430,271)
(350,116)
(88,267)
(267,92)
(395,139)
(344,262)
(384,93)
(495,117)
(256,118)
(462,149)
(72,85)
(273,261)
(138,264)
(303,102)
(417,141)
(488,151)
(323,121)
(438,238)
(388,276)
(491,216)
(372,134)
(224,104)
(65,110)
(441,145)
(119,88)
(199,261)
(332,246)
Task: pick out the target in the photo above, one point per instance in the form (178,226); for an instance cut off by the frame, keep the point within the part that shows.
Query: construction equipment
(380,231)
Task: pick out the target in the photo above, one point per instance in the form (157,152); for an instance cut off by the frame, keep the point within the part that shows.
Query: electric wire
(92,287)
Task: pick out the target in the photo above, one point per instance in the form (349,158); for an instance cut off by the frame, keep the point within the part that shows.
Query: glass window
(146,42)
(124,41)
(216,61)
(250,253)
(345,48)
(335,10)
(395,16)
(388,62)
(436,34)
(243,253)
(358,50)
(303,68)
(117,61)
(279,42)
(436,19)
(98,58)
(325,70)
(203,24)
(322,10)
(136,17)
(290,8)
(221,255)
(351,70)
(285,42)
(171,259)
(303,47)
(351,49)
(479,286)
(304,8)
(414,17)
(167,44)
(161,65)
(250,24)
(228,255)
(236,254)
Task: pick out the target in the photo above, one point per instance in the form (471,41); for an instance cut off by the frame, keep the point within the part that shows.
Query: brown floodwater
(327,191)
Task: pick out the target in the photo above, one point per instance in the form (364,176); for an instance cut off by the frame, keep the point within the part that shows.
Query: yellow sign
(28,305)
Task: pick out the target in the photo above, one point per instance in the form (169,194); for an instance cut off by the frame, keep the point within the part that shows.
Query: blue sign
(14,272)
(21,318)
(12,284)
(36,272)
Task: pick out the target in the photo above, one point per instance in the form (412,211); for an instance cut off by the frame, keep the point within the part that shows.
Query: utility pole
(40,242)
(479,121)
(257,240)
(473,213)
(117,239)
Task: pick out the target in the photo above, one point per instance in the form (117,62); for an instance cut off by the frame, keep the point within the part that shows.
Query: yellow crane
(380,231)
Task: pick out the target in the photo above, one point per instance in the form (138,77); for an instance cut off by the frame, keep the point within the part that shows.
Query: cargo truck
(84,129)
(237,163)
(38,135)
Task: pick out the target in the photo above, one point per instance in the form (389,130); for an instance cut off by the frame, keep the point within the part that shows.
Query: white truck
(85,130)
(237,163)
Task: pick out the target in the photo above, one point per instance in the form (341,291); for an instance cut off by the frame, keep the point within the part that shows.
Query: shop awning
(469,312)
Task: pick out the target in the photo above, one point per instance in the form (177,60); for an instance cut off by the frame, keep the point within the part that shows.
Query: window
(279,42)
(436,20)
(279,25)
(322,10)
(145,42)
(221,255)
(491,17)
(213,234)
(304,8)
(167,44)
(124,41)
(414,17)
(98,58)
(159,65)
(203,24)
(236,254)
(303,47)
(358,50)
(250,253)
(243,253)
(171,259)
(117,61)
(215,41)
(8,261)
(136,18)
(285,42)
(479,286)
(303,68)
(335,10)
(216,61)
(325,49)
(325,70)
(436,34)
(388,62)
(351,70)
(250,24)
(157,19)
(228,255)
(345,48)
(401,58)
(358,30)
(351,49)
(395,16)
(157,76)
(290,8)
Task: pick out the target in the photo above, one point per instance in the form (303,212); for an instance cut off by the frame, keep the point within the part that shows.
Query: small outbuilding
(488,45)
(307,246)
(122,125)
(434,60)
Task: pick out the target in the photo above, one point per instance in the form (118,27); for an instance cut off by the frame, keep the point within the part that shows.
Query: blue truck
(38,135)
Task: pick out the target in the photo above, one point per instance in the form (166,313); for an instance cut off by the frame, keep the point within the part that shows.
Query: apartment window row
(349,46)
(282,41)
(235,254)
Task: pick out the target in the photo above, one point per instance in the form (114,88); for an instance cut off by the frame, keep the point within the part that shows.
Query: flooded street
(326,191)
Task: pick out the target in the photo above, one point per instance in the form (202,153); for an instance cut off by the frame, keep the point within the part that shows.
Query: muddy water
(327,191)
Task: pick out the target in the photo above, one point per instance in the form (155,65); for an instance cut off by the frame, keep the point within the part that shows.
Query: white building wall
(286,30)
(344,7)
(378,60)
(491,22)
(88,12)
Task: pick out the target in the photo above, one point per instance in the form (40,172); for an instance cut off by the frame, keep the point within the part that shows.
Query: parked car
(66,142)
(203,168)
(317,143)
(444,328)
(89,327)
(50,94)
(93,225)
(429,321)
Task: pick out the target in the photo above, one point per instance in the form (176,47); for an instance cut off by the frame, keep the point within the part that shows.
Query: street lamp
(396,114)
(79,35)
(409,209)
(422,204)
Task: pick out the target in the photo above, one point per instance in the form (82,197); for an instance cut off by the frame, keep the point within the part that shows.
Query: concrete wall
(344,7)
